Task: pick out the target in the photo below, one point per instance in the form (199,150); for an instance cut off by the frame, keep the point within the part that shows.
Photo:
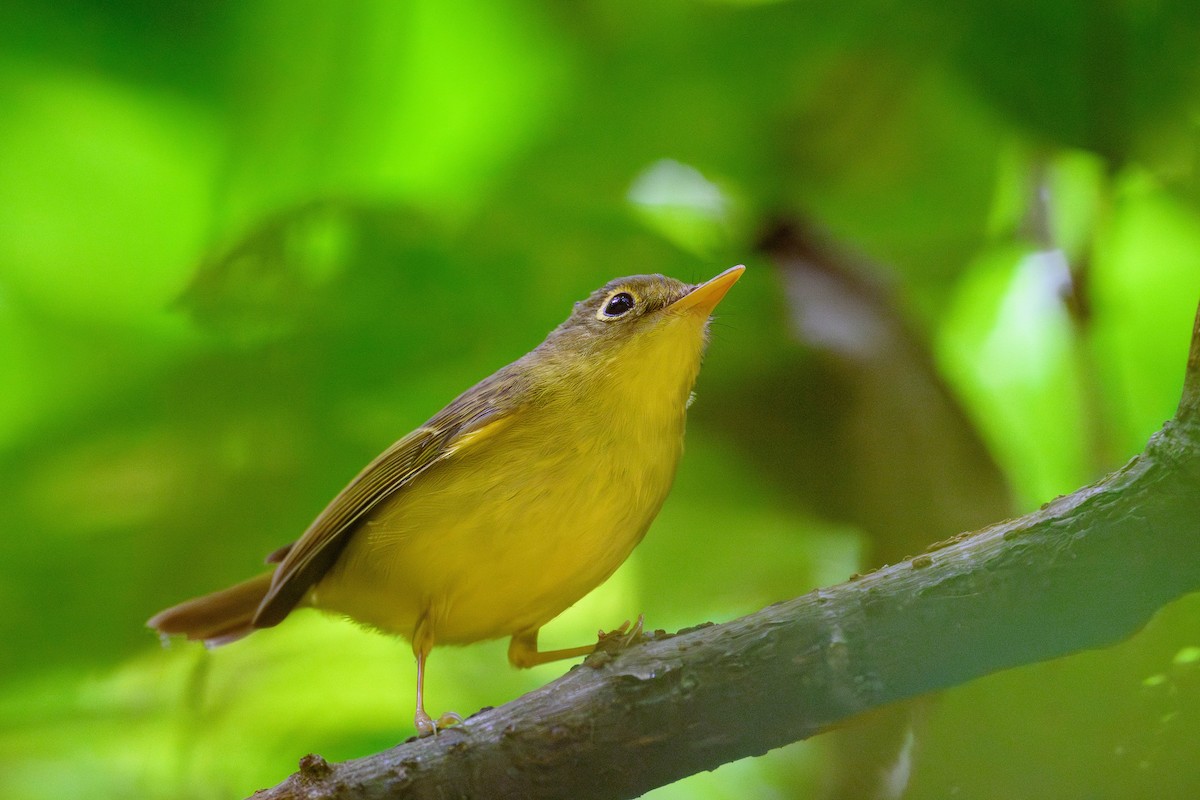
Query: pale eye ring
(618,305)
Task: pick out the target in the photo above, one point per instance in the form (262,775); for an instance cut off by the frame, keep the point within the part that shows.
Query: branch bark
(1085,571)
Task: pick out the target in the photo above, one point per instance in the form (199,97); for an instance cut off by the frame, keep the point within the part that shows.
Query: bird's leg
(426,725)
(523,652)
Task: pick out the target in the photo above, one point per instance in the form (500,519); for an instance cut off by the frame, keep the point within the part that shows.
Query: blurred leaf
(1007,344)
(1147,285)
(683,205)
(353,100)
(75,241)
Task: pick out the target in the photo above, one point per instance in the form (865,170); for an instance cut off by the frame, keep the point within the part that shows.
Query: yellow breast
(530,514)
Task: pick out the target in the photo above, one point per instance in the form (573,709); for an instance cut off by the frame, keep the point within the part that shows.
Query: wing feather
(466,421)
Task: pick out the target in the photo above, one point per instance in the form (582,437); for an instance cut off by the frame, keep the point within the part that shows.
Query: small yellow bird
(511,503)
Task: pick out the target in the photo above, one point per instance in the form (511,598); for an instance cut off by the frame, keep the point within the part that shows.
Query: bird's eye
(620,303)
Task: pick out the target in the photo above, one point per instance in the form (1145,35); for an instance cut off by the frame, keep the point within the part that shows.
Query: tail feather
(217,618)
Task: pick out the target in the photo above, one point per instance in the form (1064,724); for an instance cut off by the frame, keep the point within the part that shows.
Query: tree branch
(1086,570)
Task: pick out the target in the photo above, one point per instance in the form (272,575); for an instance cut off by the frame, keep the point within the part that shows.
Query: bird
(510,504)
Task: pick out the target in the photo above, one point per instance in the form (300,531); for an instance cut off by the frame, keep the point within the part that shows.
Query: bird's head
(641,328)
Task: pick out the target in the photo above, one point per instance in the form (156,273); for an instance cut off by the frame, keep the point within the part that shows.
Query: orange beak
(704,298)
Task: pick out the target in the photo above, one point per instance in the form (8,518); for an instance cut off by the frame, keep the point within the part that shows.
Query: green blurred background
(246,245)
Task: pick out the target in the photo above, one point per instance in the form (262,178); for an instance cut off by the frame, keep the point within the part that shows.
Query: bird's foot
(621,637)
(428,726)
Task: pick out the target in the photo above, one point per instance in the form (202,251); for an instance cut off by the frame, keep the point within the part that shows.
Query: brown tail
(217,618)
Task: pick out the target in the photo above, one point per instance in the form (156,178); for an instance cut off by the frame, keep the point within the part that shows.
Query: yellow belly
(479,548)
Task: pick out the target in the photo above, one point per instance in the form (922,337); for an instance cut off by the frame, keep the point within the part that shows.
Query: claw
(448,720)
(427,726)
(623,635)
